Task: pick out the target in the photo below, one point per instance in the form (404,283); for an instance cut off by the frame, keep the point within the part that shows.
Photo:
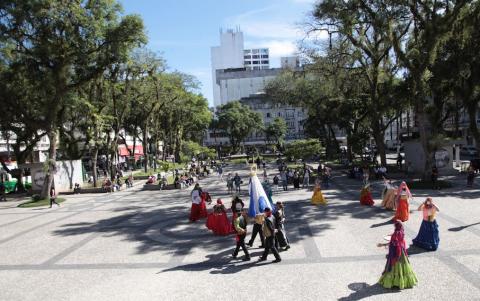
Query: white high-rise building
(256,59)
(226,56)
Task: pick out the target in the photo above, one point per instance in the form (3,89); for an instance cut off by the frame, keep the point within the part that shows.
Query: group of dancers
(269,219)
(269,224)
(398,271)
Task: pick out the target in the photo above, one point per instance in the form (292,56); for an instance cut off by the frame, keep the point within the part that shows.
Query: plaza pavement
(139,245)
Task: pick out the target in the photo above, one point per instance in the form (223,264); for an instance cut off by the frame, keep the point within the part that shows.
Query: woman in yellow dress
(317,197)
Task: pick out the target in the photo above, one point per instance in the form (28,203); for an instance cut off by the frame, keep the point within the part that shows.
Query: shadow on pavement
(362,290)
(413,250)
(388,222)
(460,228)
(221,263)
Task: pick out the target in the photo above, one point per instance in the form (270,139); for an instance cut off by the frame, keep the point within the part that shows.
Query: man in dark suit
(269,233)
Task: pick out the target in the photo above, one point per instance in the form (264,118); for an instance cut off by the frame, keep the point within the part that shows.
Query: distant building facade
(256,59)
(228,55)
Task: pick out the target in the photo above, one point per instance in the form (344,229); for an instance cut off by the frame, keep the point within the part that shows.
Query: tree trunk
(145,150)
(472,116)
(94,166)
(425,132)
(52,155)
(379,137)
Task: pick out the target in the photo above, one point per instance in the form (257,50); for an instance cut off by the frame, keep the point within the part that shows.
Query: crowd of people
(268,219)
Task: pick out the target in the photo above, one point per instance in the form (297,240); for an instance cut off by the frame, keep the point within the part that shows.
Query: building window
(255,56)
(255,62)
(248,63)
(264,62)
(279,114)
(264,56)
(256,68)
(265,50)
(247,51)
(247,56)
(255,50)
(268,115)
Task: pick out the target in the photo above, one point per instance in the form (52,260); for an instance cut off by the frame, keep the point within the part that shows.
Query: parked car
(468,151)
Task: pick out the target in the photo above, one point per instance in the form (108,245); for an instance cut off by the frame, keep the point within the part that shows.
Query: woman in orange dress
(402,203)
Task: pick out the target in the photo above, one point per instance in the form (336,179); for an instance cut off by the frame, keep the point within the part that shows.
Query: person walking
(434,178)
(2,191)
(296,180)
(306,177)
(220,172)
(276,180)
(470,176)
(238,181)
(281,240)
(283,177)
(240,225)
(53,197)
(257,229)
(230,183)
(269,233)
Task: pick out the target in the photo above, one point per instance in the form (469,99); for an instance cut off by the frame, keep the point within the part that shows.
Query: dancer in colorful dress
(197,211)
(388,195)
(317,197)
(398,271)
(217,221)
(366,196)
(428,237)
(402,203)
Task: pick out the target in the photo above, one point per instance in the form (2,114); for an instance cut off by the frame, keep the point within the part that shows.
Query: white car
(468,151)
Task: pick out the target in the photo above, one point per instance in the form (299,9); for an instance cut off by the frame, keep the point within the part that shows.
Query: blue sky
(183,31)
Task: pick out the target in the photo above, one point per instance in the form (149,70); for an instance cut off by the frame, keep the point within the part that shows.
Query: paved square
(139,245)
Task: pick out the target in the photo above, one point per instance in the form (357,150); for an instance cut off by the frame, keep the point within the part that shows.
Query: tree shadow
(221,263)
(460,228)
(362,290)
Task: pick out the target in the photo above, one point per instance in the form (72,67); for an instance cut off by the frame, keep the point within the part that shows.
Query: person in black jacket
(269,233)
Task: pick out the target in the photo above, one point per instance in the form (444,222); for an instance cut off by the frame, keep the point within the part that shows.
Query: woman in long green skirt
(398,271)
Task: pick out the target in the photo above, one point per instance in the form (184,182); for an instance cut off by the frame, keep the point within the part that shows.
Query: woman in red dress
(366,196)
(199,209)
(402,203)
(217,221)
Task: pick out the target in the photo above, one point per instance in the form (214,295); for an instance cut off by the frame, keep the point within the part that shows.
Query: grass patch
(39,203)
(421,184)
(236,161)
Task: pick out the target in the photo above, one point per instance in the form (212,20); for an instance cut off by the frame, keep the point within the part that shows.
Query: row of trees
(76,72)
(385,58)
(238,121)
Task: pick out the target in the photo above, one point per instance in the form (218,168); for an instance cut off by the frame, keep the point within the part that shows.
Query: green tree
(364,25)
(238,121)
(428,24)
(303,149)
(62,45)
(275,132)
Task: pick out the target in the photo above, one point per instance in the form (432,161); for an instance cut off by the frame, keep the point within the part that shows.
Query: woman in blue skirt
(428,237)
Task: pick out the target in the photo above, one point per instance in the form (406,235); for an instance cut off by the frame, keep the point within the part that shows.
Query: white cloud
(277,48)
(270,29)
